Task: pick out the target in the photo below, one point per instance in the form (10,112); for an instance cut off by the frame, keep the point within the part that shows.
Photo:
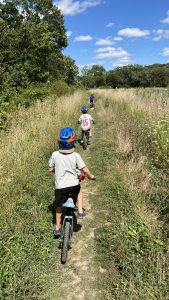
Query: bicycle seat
(69,203)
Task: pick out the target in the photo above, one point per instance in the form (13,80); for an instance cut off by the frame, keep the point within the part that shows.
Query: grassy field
(121,253)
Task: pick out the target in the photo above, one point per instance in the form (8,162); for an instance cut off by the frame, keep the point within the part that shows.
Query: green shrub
(59,88)
(30,96)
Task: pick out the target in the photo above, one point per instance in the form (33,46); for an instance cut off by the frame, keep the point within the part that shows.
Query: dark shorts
(61,195)
(85,130)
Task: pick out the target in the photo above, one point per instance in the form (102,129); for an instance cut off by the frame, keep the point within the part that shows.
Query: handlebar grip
(82,177)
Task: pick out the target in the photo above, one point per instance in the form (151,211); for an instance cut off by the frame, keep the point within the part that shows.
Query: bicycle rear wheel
(66,242)
(84,141)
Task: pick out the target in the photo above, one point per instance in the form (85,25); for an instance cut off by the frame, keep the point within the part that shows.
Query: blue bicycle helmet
(67,138)
(84,109)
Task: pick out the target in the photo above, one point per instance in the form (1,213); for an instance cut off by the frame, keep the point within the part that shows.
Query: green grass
(132,242)
(27,190)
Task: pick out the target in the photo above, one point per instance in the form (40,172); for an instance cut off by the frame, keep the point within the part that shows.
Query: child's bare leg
(90,133)
(82,136)
(80,201)
(58,217)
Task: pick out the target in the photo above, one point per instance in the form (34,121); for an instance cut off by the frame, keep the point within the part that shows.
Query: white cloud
(110,24)
(118,38)
(123,61)
(133,32)
(165,52)
(71,7)
(104,49)
(69,33)
(120,56)
(83,38)
(111,52)
(104,42)
(89,65)
(166,20)
(161,34)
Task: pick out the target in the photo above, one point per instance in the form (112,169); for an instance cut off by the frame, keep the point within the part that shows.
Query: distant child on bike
(85,120)
(91,98)
(64,163)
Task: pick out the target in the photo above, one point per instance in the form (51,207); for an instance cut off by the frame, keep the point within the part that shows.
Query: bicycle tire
(65,246)
(84,141)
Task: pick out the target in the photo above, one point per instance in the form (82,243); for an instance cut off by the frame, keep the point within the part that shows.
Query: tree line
(32,39)
(130,76)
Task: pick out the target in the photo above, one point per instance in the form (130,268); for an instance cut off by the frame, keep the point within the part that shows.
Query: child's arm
(80,120)
(92,120)
(86,171)
(51,167)
(51,170)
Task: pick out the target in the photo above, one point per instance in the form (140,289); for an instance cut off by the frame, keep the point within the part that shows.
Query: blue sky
(116,32)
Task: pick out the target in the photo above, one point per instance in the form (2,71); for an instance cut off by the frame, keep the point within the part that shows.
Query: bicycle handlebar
(83,176)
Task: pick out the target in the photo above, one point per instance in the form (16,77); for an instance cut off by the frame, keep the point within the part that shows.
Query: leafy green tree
(94,76)
(159,75)
(97,70)
(113,79)
(70,70)
(86,77)
(32,38)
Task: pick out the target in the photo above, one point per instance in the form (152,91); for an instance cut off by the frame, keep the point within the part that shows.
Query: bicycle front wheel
(66,242)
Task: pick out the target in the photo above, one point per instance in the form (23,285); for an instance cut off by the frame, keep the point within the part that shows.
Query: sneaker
(56,232)
(80,215)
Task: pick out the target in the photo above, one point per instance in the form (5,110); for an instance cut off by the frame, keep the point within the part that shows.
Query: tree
(113,79)
(70,70)
(94,76)
(159,75)
(32,38)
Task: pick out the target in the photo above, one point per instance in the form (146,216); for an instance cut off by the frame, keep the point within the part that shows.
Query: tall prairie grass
(133,245)
(155,102)
(26,192)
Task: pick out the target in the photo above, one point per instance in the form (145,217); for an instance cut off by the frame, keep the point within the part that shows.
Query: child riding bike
(64,163)
(85,120)
(91,98)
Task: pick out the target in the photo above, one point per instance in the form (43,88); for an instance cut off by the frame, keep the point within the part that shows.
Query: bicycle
(67,225)
(85,138)
(66,229)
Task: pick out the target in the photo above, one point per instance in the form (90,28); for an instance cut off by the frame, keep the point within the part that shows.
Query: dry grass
(154,102)
(32,132)
(132,243)
(134,170)
(26,191)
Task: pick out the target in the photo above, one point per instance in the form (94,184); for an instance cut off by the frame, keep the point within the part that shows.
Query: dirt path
(79,276)
(82,269)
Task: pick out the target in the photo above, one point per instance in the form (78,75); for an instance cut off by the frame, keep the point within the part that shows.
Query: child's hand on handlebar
(83,176)
(91,176)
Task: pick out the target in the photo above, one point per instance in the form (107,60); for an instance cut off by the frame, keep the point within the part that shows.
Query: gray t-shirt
(66,168)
